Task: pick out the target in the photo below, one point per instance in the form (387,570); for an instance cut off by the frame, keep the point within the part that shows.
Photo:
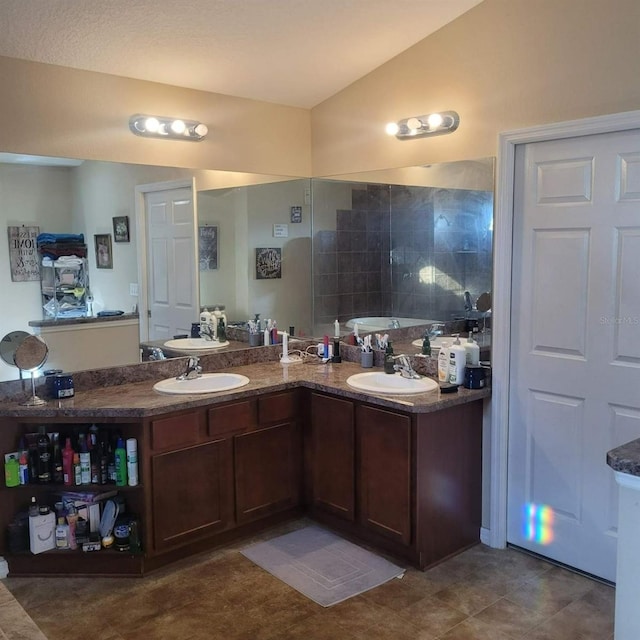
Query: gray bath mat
(322,566)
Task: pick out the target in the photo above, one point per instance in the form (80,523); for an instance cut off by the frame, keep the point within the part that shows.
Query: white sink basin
(195,344)
(206,383)
(394,384)
(436,343)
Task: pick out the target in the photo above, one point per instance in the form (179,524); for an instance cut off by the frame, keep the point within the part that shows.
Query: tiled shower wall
(403,252)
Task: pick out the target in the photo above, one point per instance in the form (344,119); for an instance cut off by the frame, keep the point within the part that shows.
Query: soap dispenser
(472,351)
(457,360)
(389,362)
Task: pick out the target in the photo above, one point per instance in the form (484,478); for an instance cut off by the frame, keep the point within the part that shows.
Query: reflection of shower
(444,219)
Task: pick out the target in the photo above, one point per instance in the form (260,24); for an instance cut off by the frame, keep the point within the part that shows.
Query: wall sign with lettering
(23,253)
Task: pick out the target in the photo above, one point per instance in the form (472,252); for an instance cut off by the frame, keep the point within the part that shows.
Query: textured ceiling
(294,52)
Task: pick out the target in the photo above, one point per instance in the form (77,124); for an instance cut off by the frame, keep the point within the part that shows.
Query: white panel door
(172,273)
(575,358)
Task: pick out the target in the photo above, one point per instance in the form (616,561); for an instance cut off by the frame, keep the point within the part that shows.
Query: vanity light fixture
(432,124)
(171,128)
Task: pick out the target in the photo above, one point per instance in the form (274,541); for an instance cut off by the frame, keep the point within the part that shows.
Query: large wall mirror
(394,218)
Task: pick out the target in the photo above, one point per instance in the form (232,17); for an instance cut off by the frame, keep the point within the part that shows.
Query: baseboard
(485,536)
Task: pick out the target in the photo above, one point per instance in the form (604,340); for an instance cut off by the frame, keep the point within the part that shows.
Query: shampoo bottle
(457,360)
(472,351)
(443,362)
(121,464)
(67,463)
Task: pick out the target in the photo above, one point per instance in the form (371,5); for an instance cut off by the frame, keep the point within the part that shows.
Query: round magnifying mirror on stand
(28,353)
(483,304)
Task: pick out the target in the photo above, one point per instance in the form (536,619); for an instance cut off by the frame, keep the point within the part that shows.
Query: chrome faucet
(193,370)
(394,324)
(436,329)
(156,353)
(404,367)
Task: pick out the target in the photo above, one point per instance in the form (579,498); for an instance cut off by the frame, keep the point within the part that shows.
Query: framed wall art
(104,254)
(121,229)
(208,247)
(268,263)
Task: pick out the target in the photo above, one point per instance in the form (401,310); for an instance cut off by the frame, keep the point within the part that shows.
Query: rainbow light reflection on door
(538,523)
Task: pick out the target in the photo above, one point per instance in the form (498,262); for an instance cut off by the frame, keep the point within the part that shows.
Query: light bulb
(201,130)
(414,124)
(392,128)
(434,120)
(178,126)
(151,124)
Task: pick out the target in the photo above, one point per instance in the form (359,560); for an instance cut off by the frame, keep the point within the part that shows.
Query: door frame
(141,235)
(496,536)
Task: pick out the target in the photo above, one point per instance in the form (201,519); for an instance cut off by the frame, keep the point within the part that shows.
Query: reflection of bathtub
(381,323)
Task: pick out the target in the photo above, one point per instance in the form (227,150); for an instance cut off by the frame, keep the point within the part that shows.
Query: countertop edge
(144,402)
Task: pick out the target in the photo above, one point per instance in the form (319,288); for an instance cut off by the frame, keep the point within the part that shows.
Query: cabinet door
(384,493)
(333,455)
(267,471)
(192,493)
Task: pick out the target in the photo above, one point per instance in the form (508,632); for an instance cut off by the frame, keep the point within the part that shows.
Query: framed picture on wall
(104,254)
(268,263)
(121,229)
(208,247)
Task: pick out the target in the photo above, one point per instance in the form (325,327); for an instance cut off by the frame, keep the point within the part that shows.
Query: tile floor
(484,593)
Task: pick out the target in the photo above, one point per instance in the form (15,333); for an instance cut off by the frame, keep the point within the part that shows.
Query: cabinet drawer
(176,431)
(277,408)
(238,416)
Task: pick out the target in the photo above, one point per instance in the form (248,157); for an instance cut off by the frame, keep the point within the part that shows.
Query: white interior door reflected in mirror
(171,260)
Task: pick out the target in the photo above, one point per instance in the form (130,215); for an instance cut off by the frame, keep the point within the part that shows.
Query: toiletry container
(205,321)
(12,471)
(42,530)
(121,464)
(132,461)
(426,345)
(472,351)
(443,362)
(389,362)
(457,361)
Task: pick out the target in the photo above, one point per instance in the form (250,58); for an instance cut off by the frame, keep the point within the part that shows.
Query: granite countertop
(138,399)
(626,458)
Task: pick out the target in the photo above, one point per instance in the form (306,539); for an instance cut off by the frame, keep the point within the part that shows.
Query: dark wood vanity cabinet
(361,465)
(226,466)
(384,472)
(268,460)
(192,493)
(410,483)
(191,480)
(332,455)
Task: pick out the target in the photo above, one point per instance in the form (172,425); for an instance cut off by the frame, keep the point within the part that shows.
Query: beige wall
(50,110)
(504,65)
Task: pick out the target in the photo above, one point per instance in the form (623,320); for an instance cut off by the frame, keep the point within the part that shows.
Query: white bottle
(443,362)
(457,361)
(336,329)
(205,321)
(132,461)
(472,351)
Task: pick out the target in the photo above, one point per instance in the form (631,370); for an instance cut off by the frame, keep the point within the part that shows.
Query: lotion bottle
(443,362)
(472,351)
(457,360)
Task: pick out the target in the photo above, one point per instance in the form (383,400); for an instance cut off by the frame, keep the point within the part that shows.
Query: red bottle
(67,463)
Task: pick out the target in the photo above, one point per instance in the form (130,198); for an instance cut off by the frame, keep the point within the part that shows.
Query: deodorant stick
(132,461)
